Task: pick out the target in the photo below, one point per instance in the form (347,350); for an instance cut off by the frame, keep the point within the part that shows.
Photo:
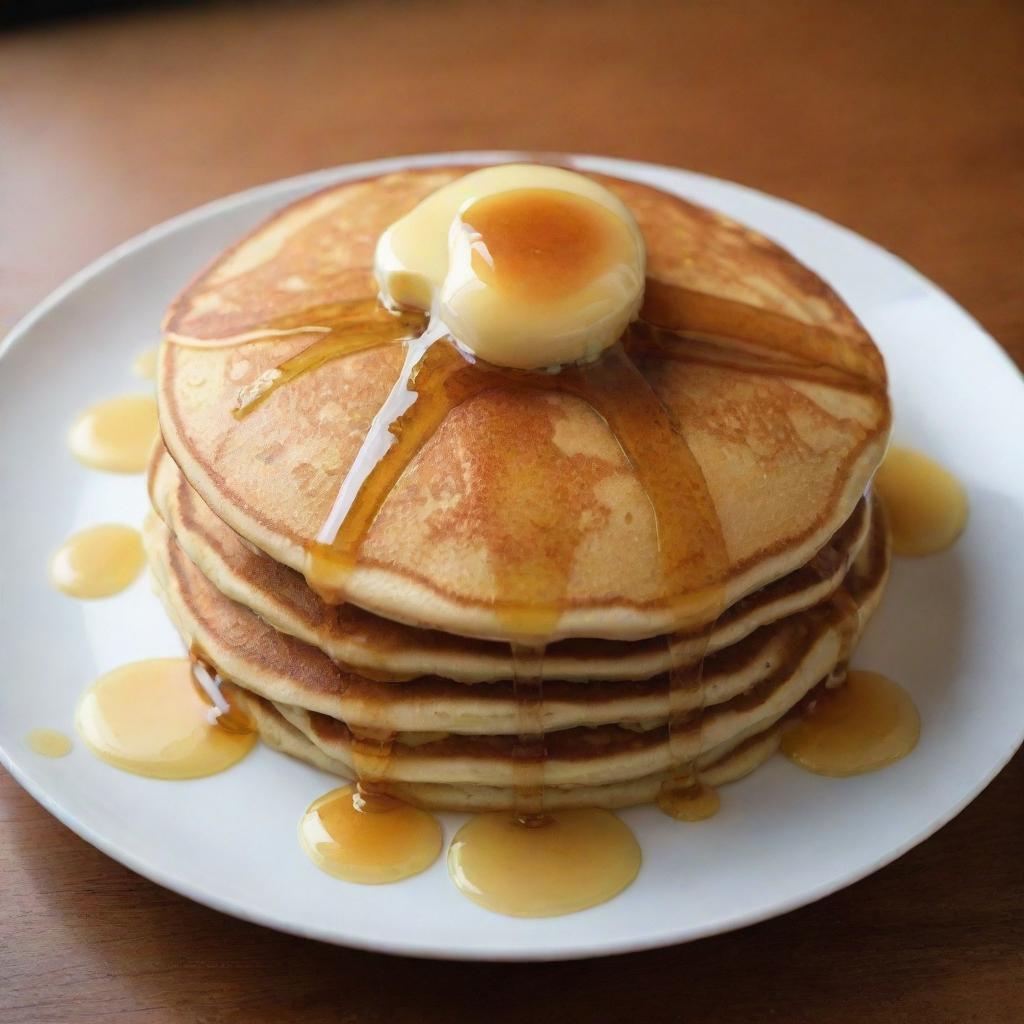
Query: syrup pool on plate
(370,838)
(144,364)
(150,718)
(689,800)
(115,435)
(927,505)
(567,861)
(49,742)
(866,723)
(97,561)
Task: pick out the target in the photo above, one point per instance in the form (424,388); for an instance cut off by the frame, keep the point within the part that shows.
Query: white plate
(950,628)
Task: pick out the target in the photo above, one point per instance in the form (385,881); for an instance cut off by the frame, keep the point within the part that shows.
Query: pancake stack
(592,595)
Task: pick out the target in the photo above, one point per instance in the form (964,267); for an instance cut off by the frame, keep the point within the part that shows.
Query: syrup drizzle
(340,329)
(530,599)
(530,749)
(754,338)
(687,800)
(363,833)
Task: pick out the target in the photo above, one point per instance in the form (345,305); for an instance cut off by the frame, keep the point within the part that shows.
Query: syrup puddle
(688,800)
(927,505)
(144,364)
(98,561)
(151,719)
(369,838)
(48,743)
(572,860)
(115,435)
(866,723)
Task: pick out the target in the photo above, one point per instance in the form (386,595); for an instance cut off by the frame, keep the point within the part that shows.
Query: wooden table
(904,121)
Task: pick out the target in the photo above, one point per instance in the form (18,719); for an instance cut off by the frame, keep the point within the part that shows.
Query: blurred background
(903,119)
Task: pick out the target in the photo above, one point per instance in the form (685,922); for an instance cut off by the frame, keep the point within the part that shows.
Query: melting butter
(866,723)
(927,505)
(116,435)
(571,860)
(98,561)
(540,277)
(526,266)
(370,839)
(149,718)
(48,742)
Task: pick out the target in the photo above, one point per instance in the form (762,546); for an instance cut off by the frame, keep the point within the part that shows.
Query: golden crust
(785,458)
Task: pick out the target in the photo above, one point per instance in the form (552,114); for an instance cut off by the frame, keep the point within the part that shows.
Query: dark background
(902,120)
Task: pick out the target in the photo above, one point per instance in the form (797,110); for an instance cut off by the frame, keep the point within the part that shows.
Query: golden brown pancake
(777,389)
(716,770)
(370,644)
(248,650)
(448,733)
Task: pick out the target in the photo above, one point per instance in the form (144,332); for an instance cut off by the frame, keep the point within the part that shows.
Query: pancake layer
(375,646)
(681,526)
(454,734)
(774,386)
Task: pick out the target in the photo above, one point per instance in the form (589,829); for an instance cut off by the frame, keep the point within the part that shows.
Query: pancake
(742,695)
(778,391)
(374,645)
(276,665)
(278,733)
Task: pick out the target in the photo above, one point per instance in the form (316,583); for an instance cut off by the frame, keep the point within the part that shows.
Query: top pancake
(784,410)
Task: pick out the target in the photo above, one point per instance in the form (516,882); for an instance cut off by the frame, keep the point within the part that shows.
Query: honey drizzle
(688,326)
(344,329)
(749,332)
(691,546)
(217,694)
(530,603)
(531,599)
(530,748)
(688,800)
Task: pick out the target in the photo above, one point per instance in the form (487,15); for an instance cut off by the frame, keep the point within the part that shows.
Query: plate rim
(511,952)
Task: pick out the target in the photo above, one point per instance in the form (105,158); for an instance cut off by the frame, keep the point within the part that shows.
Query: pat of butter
(526,266)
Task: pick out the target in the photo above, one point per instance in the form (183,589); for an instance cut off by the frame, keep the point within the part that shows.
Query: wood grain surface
(902,120)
